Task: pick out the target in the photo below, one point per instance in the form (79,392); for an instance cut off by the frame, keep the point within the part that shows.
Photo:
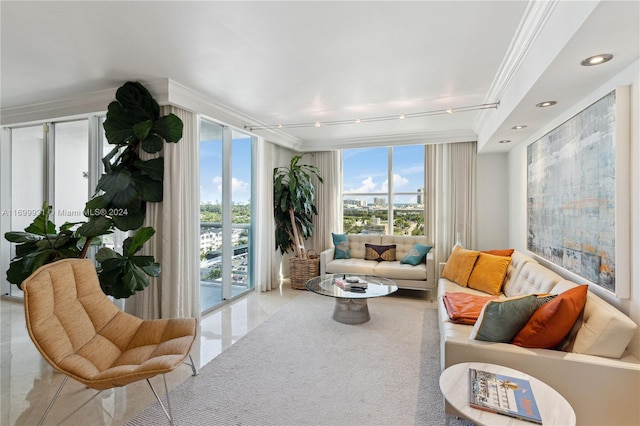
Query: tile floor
(28,383)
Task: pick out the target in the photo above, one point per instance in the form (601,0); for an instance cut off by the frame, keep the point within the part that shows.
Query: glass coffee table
(351,306)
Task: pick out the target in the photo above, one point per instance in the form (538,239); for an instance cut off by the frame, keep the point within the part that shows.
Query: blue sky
(366,170)
(211,170)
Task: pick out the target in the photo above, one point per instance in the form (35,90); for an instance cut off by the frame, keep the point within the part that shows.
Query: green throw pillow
(500,320)
(416,255)
(341,243)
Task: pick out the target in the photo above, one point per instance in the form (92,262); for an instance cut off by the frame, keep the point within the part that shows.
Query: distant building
(354,203)
(420,200)
(379,201)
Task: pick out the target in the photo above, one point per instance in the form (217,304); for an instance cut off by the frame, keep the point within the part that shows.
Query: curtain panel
(328,201)
(176,244)
(266,260)
(451,196)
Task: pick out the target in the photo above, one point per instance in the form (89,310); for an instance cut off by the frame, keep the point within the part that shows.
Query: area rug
(300,367)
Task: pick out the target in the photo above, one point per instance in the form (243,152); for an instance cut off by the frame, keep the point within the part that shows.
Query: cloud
(398,183)
(237,186)
(367,185)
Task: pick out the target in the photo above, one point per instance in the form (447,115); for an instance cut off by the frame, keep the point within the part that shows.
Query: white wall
(492,215)
(517,193)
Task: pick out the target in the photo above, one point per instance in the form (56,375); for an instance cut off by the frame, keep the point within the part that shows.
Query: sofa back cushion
(532,278)
(518,259)
(404,244)
(357,242)
(602,330)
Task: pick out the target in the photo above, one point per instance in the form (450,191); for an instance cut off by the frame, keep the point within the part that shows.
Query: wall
(492,215)
(517,190)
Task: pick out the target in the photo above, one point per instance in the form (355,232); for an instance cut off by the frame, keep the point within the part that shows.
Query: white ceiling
(301,62)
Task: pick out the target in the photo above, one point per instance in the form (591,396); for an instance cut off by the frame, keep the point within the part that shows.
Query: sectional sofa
(418,277)
(597,375)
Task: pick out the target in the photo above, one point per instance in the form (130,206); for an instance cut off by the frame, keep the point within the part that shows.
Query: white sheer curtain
(328,202)
(176,245)
(266,259)
(451,200)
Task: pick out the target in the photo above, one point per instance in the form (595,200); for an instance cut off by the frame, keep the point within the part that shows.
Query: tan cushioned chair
(83,335)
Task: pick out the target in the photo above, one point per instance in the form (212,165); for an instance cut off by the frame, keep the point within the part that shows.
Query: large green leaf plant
(294,205)
(133,123)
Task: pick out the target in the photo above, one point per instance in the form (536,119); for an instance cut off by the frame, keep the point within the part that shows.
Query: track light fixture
(373,119)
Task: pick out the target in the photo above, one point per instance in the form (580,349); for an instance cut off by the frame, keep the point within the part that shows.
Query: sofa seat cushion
(351,266)
(400,271)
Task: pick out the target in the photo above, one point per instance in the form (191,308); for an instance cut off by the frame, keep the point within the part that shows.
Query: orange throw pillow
(551,322)
(488,273)
(505,252)
(459,266)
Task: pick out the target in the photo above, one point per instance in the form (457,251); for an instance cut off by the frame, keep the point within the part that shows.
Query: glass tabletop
(326,285)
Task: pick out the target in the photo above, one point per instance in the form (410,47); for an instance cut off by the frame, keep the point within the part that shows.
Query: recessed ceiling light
(546,104)
(358,121)
(519,127)
(505,141)
(318,124)
(597,59)
(401,117)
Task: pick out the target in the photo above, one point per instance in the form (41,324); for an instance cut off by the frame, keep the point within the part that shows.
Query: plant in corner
(294,205)
(133,123)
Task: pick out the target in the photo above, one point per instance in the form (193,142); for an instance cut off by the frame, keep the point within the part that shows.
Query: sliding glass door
(225,214)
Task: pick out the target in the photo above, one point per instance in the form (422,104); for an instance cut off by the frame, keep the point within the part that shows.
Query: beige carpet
(300,367)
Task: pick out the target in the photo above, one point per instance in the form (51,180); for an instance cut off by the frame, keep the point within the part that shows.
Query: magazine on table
(356,284)
(502,394)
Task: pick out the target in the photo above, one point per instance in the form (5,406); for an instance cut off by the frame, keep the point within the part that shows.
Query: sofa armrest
(326,256)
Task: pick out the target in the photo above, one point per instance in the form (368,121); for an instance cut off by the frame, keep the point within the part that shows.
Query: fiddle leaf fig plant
(133,123)
(123,275)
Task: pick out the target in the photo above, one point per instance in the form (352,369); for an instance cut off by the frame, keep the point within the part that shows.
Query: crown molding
(165,91)
(533,20)
(81,105)
(449,136)
(191,100)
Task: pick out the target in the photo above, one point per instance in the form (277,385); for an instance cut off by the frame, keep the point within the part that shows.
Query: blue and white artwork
(571,187)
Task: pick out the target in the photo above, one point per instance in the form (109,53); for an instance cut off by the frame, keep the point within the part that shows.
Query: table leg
(351,311)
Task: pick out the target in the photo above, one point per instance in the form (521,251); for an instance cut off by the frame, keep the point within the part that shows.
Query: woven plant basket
(302,270)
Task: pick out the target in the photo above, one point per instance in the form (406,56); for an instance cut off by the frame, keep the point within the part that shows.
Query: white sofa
(419,277)
(603,388)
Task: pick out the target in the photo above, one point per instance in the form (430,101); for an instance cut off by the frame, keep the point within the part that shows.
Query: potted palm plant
(294,208)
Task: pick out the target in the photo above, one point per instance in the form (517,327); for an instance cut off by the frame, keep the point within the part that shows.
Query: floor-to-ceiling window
(383,190)
(225,213)
(49,163)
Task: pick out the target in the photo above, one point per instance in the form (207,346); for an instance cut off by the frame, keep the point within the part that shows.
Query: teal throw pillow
(341,243)
(416,255)
(500,320)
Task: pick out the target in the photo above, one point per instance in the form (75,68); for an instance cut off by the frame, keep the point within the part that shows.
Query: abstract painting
(571,194)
